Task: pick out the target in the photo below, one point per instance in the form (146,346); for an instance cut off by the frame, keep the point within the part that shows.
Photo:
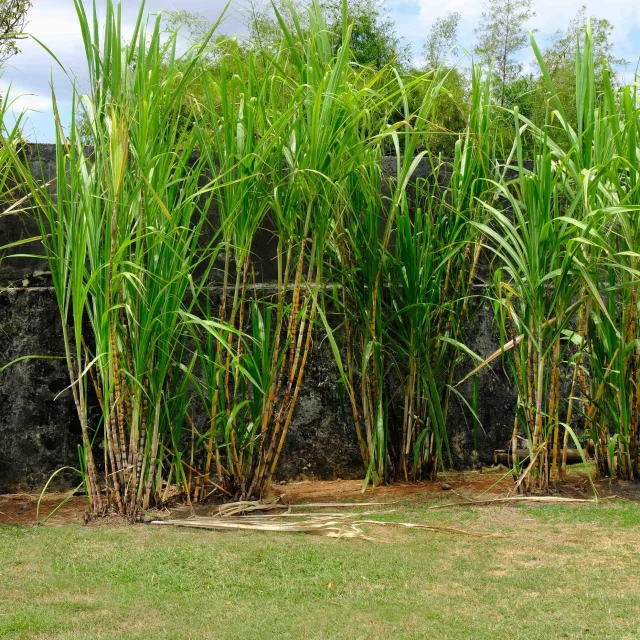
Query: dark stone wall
(497,399)
(14,270)
(39,430)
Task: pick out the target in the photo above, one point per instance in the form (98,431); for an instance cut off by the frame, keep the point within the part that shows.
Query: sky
(55,24)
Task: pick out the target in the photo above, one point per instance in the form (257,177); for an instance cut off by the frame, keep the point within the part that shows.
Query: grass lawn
(560,571)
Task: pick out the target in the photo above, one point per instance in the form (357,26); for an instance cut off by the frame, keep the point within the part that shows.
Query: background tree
(447,118)
(561,53)
(501,35)
(194,27)
(374,38)
(13,19)
(441,40)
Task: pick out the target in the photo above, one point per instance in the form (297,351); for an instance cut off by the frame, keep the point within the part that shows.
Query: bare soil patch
(468,482)
(20,508)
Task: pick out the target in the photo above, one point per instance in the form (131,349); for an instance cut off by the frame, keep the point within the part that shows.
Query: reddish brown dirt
(20,508)
(470,482)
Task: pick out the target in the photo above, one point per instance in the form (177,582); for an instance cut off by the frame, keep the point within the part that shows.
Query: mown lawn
(568,571)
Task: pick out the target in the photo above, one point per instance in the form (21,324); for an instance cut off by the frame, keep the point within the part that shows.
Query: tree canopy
(502,33)
(442,38)
(13,19)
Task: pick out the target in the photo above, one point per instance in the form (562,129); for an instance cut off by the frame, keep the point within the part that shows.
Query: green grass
(559,572)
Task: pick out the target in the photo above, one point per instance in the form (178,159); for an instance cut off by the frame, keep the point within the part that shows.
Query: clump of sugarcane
(613,351)
(423,253)
(361,250)
(546,275)
(359,260)
(536,290)
(122,237)
(320,156)
(296,125)
(612,344)
(232,388)
(404,301)
(444,268)
(355,259)
(432,273)
(605,147)
(253,378)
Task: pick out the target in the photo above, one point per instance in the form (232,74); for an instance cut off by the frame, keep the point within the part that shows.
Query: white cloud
(21,100)
(55,24)
(553,14)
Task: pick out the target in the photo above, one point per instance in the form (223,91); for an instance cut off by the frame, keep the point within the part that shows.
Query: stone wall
(39,430)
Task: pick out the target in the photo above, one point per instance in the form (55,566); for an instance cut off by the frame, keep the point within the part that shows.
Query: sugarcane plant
(232,123)
(283,143)
(568,249)
(435,261)
(611,343)
(602,169)
(407,266)
(536,284)
(123,238)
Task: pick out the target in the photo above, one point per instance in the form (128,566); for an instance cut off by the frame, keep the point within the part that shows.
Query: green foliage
(561,53)
(11,136)
(559,59)
(374,41)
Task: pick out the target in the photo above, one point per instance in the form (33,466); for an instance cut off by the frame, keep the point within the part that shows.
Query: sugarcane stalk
(537,445)
(94,487)
(578,375)
(633,377)
(354,407)
(274,371)
(407,422)
(113,458)
(234,451)
(287,402)
(153,455)
(554,405)
(307,349)
(116,415)
(143,431)
(216,391)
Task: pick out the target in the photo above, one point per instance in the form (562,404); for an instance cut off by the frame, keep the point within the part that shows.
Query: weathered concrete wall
(39,431)
(497,399)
